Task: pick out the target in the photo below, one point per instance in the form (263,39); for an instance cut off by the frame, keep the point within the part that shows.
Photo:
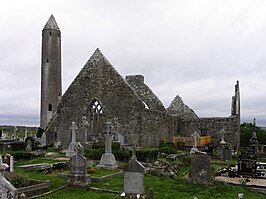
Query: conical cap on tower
(51,24)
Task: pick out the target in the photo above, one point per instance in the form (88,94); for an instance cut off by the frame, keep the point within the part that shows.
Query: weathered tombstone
(226,152)
(9,160)
(7,190)
(247,162)
(29,145)
(201,169)
(108,159)
(78,172)
(134,176)
(42,139)
(82,135)
(70,152)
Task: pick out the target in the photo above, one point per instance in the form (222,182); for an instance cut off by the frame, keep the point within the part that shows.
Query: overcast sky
(196,49)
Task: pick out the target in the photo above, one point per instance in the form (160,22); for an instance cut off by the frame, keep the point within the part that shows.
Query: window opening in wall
(58,34)
(96,121)
(50,107)
(50,33)
(47,60)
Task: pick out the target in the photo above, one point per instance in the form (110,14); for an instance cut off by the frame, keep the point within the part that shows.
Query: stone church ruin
(99,94)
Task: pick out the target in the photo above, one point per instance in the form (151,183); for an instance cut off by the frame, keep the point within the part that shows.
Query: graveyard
(107,170)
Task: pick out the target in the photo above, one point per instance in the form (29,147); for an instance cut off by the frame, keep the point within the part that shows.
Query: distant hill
(263,127)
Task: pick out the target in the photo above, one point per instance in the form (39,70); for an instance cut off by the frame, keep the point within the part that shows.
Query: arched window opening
(96,121)
(50,108)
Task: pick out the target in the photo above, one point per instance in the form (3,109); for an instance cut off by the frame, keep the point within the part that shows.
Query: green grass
(164,187)
(102,172)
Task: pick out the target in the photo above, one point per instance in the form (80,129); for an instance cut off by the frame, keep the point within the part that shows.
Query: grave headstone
(201,169)
(15,133)
(247,162)
(70,152)
(226,153)
(25,134)
(9,160)
(108,159)
(42,139)
(222,137)
(7,190)
(78,172)
(134,176)
(29,145)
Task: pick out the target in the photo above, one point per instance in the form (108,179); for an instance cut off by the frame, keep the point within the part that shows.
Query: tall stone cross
(108,135)
(84,125)
(196,136)
(73,129)
(134,154)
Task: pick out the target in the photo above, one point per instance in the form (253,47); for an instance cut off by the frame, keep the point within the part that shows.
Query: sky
(191,48)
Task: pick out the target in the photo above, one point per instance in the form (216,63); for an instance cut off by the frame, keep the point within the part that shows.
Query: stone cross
(134,151)
(196,136)
(3,192)
(222,137)
(73,129)
(84,125)
(108,135)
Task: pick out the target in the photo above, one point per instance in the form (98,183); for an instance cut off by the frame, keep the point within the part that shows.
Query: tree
(246,130)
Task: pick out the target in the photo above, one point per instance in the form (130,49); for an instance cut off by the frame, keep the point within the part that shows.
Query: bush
(122,155)
(19,180)
(168,150)
(94,154)
(148,154)
(97,146)
(18,146)
(22,155)
(168,145)
(115,146)
(39,132)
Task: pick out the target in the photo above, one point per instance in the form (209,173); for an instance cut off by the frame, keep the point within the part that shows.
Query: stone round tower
(51,89)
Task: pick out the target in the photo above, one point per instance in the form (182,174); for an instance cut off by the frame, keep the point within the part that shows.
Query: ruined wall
(212,126)
(136,82)
(99,80)
(157,127)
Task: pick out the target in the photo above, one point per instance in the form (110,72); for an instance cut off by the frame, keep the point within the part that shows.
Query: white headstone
(71,152)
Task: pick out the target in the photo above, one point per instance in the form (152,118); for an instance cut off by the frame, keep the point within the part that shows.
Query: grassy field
(164,187)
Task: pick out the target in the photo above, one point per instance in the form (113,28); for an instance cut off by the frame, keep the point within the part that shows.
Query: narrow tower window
(50,107)
(47,60)
(50,33)
(58,34)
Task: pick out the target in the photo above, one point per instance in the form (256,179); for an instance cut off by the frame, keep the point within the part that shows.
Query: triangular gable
(134,166)
(96,67)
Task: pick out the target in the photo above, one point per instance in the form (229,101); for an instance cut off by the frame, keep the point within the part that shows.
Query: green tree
(246,130)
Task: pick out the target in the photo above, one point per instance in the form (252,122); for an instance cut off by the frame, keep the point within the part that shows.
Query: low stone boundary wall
(100,179)
(36,187)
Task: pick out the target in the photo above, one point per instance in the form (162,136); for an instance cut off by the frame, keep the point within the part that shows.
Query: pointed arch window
(96,107)
(50,107)
(96,120)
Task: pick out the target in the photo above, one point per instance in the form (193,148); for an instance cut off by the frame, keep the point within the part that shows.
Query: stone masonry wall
(157,127)
(213,126)
(99,80)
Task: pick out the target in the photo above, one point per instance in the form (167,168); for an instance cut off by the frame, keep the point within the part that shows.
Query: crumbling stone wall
(144,92)
(157,127)
(212,126)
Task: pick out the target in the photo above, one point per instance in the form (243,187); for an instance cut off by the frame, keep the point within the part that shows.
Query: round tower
(51,89)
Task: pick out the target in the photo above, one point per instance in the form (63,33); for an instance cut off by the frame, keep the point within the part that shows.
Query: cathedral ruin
(100,93)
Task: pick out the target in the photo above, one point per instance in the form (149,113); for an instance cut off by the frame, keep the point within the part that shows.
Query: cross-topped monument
(70,152)
(108,159)
(222,137)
